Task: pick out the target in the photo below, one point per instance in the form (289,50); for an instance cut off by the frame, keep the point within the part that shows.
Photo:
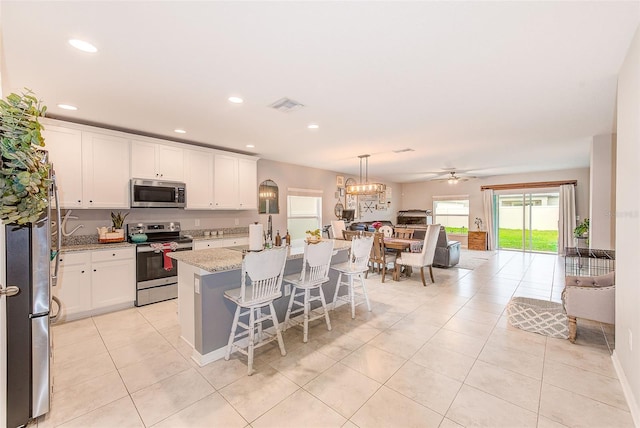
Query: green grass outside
(541,240)
(457,230)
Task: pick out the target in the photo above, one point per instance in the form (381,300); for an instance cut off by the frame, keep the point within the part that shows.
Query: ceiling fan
(452,177)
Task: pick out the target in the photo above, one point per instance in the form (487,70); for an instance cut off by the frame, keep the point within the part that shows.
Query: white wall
(420,195)
(301,177)
(602,182)
(628,227)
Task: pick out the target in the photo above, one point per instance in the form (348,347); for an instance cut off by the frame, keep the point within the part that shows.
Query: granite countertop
(89,247)
(223,259)
(225,236)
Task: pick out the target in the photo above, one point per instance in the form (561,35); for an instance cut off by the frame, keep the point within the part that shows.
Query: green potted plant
(24,171)
(582,229)
(117,219)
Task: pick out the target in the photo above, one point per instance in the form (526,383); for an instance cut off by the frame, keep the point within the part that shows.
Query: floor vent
(286,105)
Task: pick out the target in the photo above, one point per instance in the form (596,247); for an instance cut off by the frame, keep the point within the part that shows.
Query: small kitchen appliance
(157,194)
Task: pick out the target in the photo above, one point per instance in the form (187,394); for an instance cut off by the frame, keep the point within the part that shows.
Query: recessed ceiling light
(180,131)
(313,126)
(236,100)
(250,146)
(67,107)
(83,46)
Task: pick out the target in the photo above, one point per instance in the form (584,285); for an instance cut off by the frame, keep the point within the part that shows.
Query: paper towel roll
(255,237)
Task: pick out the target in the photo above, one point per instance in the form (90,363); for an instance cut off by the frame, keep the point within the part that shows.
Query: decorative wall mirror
(268,197)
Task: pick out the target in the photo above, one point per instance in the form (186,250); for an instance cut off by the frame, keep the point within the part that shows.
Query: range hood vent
(286,105)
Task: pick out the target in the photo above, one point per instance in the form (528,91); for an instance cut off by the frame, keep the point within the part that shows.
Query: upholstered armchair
(422,259)
(589,297)
(447,252)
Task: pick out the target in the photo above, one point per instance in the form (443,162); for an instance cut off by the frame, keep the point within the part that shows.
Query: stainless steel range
(157,274)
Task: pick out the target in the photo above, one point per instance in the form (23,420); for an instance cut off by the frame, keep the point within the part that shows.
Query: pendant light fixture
(364,187)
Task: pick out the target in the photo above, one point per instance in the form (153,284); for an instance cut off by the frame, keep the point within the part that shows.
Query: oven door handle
(147,249)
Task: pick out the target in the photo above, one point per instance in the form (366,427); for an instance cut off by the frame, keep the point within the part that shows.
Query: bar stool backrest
(316,263)
(264,271)
(360,252)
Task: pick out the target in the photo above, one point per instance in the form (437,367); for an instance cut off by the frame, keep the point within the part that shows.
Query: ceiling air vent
(286,105)
(403,150)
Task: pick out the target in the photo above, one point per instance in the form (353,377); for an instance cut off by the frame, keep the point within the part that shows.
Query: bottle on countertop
(287,238)
(278,239)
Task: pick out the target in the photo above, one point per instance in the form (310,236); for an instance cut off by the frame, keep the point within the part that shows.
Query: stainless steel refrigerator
(28,266)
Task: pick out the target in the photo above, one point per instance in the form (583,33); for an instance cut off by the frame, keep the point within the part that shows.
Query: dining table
(400,245)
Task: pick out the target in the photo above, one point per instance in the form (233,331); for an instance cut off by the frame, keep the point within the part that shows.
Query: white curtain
(567,217)
(487,198)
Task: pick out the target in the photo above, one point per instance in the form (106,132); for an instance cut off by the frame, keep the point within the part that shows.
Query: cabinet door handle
(114,254)
(81,271)
(94,270)
(79,201)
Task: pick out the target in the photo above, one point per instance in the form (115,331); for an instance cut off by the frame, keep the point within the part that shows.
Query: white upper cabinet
(105,166)
(92,170)
(156,161)
(247,184)
(65,152)
(198,176)
(225,182)
(235,183)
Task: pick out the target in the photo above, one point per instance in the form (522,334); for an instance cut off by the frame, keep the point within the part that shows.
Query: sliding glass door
(528,221)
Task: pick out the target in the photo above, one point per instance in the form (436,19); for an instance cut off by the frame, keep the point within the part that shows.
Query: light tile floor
(442,355)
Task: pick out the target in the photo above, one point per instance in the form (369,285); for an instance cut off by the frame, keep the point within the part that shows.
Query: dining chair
(424,258)
(261,283)
(380,258)
(403,233)
(354,270)
(348,235)
(337,226)
(315,272)
(386,231)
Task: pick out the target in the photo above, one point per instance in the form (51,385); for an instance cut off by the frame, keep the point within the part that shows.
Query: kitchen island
(205,316)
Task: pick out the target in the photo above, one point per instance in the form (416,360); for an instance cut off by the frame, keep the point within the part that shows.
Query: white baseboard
(626,389)
(203,360)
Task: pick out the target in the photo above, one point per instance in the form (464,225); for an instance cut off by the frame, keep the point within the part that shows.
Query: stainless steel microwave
(157,194)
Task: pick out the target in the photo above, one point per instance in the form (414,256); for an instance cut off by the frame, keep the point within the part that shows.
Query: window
(452,213)
(303,213)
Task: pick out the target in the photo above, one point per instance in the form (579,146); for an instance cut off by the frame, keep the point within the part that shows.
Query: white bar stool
(264,272)
(315,272)
(355,268)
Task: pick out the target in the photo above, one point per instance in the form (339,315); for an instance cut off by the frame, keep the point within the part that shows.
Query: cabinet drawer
(232,242)
(112,254)
(75,258)
(208,243)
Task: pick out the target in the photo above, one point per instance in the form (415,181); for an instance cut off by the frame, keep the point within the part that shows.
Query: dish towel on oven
(166,248)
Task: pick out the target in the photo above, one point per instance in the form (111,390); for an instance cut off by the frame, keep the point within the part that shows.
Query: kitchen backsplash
(192,222)
(93,239)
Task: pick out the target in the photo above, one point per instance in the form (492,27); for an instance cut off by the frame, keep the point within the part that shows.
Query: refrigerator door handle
(54,186)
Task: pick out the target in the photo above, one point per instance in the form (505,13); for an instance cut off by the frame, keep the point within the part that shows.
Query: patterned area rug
(471,259)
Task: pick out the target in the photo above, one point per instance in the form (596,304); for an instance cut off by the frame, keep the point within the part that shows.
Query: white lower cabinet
(92,282)
(73,288)
(208,243)
(220,243)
